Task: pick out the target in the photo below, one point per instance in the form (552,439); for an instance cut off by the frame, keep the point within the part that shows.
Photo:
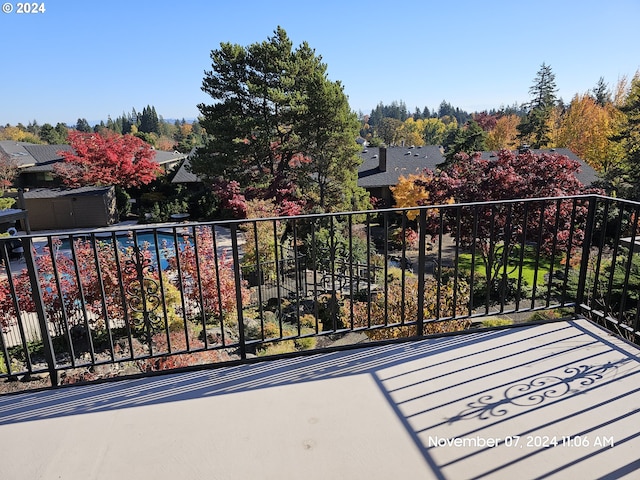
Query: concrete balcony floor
(555,400)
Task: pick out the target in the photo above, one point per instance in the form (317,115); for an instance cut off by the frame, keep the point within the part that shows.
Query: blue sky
(94,59)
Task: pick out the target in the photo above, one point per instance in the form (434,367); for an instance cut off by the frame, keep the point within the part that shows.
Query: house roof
(401,161)
(587,175)
(45,156)
(18,153)
(32,157)
(184,175)
(163,157)
(46,153)
(65,192)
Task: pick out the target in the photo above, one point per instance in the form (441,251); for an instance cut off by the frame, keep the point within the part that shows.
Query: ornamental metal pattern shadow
(546,401)
(538,390)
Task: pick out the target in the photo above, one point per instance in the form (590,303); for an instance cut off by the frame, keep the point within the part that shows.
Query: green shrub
(496,322)
(6,203)
(545,315)
(3,366)
(306,343)
(396,306)
(277,348)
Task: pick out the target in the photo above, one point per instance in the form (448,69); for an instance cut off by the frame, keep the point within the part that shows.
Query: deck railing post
(38,301)
(238,284)
(586,251)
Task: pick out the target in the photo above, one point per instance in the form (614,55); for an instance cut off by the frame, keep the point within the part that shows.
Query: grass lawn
(513,268)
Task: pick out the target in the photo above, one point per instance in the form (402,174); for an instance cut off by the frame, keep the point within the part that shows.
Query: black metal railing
(145,299)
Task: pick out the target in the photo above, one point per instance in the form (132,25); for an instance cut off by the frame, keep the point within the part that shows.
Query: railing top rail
(228,223)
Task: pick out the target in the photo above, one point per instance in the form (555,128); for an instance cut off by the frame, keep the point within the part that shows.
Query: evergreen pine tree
(629,138)
(534,128)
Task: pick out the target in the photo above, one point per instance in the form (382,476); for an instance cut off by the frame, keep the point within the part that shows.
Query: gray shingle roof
(587,175)
(47,153)
(183,175)
(401,161)
(64,192)
(32,157)
(17,152)
(162,157)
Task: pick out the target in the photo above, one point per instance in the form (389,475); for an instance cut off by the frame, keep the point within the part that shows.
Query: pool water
(144,240)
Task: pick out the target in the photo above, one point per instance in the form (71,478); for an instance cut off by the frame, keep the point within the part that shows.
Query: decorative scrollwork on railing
(143,293)
(144,300)
(138,263)
(537,391)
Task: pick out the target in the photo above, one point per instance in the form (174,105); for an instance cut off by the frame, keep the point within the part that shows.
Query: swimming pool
(160,245)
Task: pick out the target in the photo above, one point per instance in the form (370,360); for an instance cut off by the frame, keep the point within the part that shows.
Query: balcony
(492,340)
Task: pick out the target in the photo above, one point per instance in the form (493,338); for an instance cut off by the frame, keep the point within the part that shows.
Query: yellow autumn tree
(17,134)
(407,194)
(434,130)
(410,132)
(505,134)
(586,128)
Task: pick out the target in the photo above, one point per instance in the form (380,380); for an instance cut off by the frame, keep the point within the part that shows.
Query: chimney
(382,159)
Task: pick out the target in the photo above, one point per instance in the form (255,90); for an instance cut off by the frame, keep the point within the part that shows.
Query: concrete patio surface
(555,400)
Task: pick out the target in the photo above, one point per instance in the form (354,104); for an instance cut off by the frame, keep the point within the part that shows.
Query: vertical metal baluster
(536,267)
(586,250)
(491,259)
(438,313)
(403,264)
(38,301)
(103,300)
(296,267)
(506,254)
(422,245)
(19,318)
(186,308)
(629,264)
(203,310)
(63,311)
(385,249)
(351,260)
(314,255)
(223,332)
(554,246)
(163,296)
(332,265)
(523,247)
(238,285)
(474,247)
(456,263)
(276,245)
(83,303)
(259,277)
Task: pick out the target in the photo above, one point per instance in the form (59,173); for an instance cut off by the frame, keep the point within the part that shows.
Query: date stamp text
(32,8)
(526,441)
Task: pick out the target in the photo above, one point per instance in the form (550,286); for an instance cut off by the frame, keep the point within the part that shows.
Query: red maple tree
(107,159)
(496,229)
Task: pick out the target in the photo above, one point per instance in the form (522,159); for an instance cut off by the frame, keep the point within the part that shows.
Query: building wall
(72,211)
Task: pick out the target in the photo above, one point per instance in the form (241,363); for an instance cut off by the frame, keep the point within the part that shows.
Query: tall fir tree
(601,93)
(534,128)
(278,125)
(629,139)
